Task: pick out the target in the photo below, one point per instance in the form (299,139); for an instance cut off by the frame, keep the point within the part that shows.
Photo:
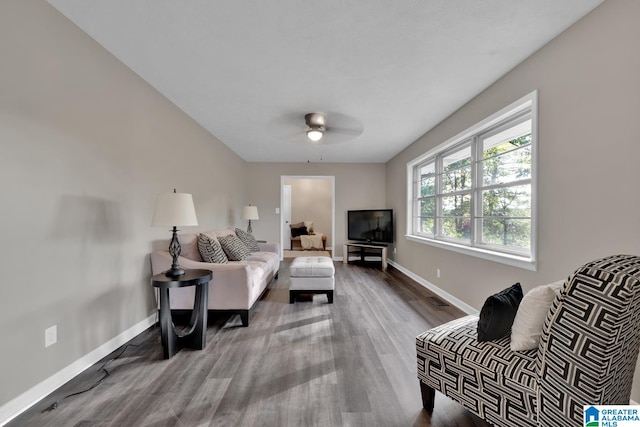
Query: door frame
(285,221)
(332,180)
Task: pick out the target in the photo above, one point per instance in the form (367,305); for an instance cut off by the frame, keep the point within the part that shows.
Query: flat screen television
(372,225)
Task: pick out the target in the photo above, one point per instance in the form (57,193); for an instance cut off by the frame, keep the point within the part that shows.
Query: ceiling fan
(328,127)
(316,123)
(342,127)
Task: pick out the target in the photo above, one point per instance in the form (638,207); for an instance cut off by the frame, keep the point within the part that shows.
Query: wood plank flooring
(351,363)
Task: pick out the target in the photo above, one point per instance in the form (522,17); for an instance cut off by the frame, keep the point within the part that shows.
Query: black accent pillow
(498,313)
(299,231)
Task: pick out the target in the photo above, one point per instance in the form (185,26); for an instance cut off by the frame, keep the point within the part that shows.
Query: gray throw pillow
(210,249)
(247,238)
(233,247)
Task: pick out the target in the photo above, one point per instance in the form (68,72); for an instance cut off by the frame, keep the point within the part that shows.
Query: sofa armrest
(230,287)
(161,261)
(269,247)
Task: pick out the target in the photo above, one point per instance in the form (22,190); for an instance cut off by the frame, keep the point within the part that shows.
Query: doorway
(307,198)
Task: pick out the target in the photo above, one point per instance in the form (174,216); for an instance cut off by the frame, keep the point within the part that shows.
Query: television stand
(364,249)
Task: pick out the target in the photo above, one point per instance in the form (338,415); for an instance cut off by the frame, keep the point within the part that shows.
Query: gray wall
(358,186)
(589,145)
(86,147)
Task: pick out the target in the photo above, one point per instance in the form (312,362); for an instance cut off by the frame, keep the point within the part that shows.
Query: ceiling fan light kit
(315,135)
(316,123)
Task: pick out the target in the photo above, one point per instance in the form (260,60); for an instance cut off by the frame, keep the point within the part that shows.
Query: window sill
(512,260)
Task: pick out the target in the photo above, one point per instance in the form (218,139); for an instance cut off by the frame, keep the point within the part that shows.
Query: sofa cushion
(188,246)
(233,247)
(270,259)
(247,238)
(210,249)
(498,312)
(225,232)
(529,320)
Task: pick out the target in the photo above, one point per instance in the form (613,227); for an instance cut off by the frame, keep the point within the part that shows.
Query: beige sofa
(235,286)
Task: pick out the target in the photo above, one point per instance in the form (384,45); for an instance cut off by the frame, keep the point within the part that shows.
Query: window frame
(519,111)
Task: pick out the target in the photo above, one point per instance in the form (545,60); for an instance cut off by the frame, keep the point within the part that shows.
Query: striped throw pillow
(233,247)
(247,238)
(210,249)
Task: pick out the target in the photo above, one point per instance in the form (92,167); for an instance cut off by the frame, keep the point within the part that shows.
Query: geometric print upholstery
(210,249)
(249,241)
(486,377)
(587,354)
(233,247)
(590,341)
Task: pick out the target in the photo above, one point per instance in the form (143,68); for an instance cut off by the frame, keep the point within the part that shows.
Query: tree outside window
(477,191)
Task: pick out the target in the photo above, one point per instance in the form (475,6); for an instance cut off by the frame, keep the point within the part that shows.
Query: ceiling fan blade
(344,124)
(346,131)
(338,127)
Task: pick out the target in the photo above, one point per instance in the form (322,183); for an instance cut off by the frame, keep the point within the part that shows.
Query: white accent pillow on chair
(527,326)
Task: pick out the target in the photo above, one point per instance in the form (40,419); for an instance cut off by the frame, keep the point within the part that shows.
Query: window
(475,193)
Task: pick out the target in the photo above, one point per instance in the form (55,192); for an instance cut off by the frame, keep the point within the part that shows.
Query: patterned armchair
(587,354)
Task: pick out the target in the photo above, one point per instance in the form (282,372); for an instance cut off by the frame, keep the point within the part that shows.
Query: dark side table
(196,338)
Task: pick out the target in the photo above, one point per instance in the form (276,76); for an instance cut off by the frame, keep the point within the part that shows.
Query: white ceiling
(384,72)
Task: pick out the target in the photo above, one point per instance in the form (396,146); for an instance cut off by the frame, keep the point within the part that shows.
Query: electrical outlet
(51,335)
(438,272)
(395,251)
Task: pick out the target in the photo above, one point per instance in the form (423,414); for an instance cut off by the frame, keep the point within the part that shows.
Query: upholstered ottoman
(311,275)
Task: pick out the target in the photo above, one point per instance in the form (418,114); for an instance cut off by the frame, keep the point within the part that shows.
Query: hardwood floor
(350,363)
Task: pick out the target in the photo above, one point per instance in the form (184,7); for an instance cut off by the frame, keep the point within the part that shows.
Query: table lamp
(377,216)
(174,210)
(249,213)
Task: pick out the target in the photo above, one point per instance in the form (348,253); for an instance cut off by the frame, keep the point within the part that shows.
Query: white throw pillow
(309,225)
(529,321)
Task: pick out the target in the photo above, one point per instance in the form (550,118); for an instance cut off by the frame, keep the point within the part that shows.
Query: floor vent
(437,301)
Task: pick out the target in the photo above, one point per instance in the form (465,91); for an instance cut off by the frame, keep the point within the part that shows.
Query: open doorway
(307,199)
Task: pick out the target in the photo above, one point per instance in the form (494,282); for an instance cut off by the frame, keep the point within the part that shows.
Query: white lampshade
(315,135)
(250,213)
(174,210)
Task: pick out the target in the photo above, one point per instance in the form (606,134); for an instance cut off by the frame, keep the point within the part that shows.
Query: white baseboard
(436,290)
(433,288)
(18,405)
